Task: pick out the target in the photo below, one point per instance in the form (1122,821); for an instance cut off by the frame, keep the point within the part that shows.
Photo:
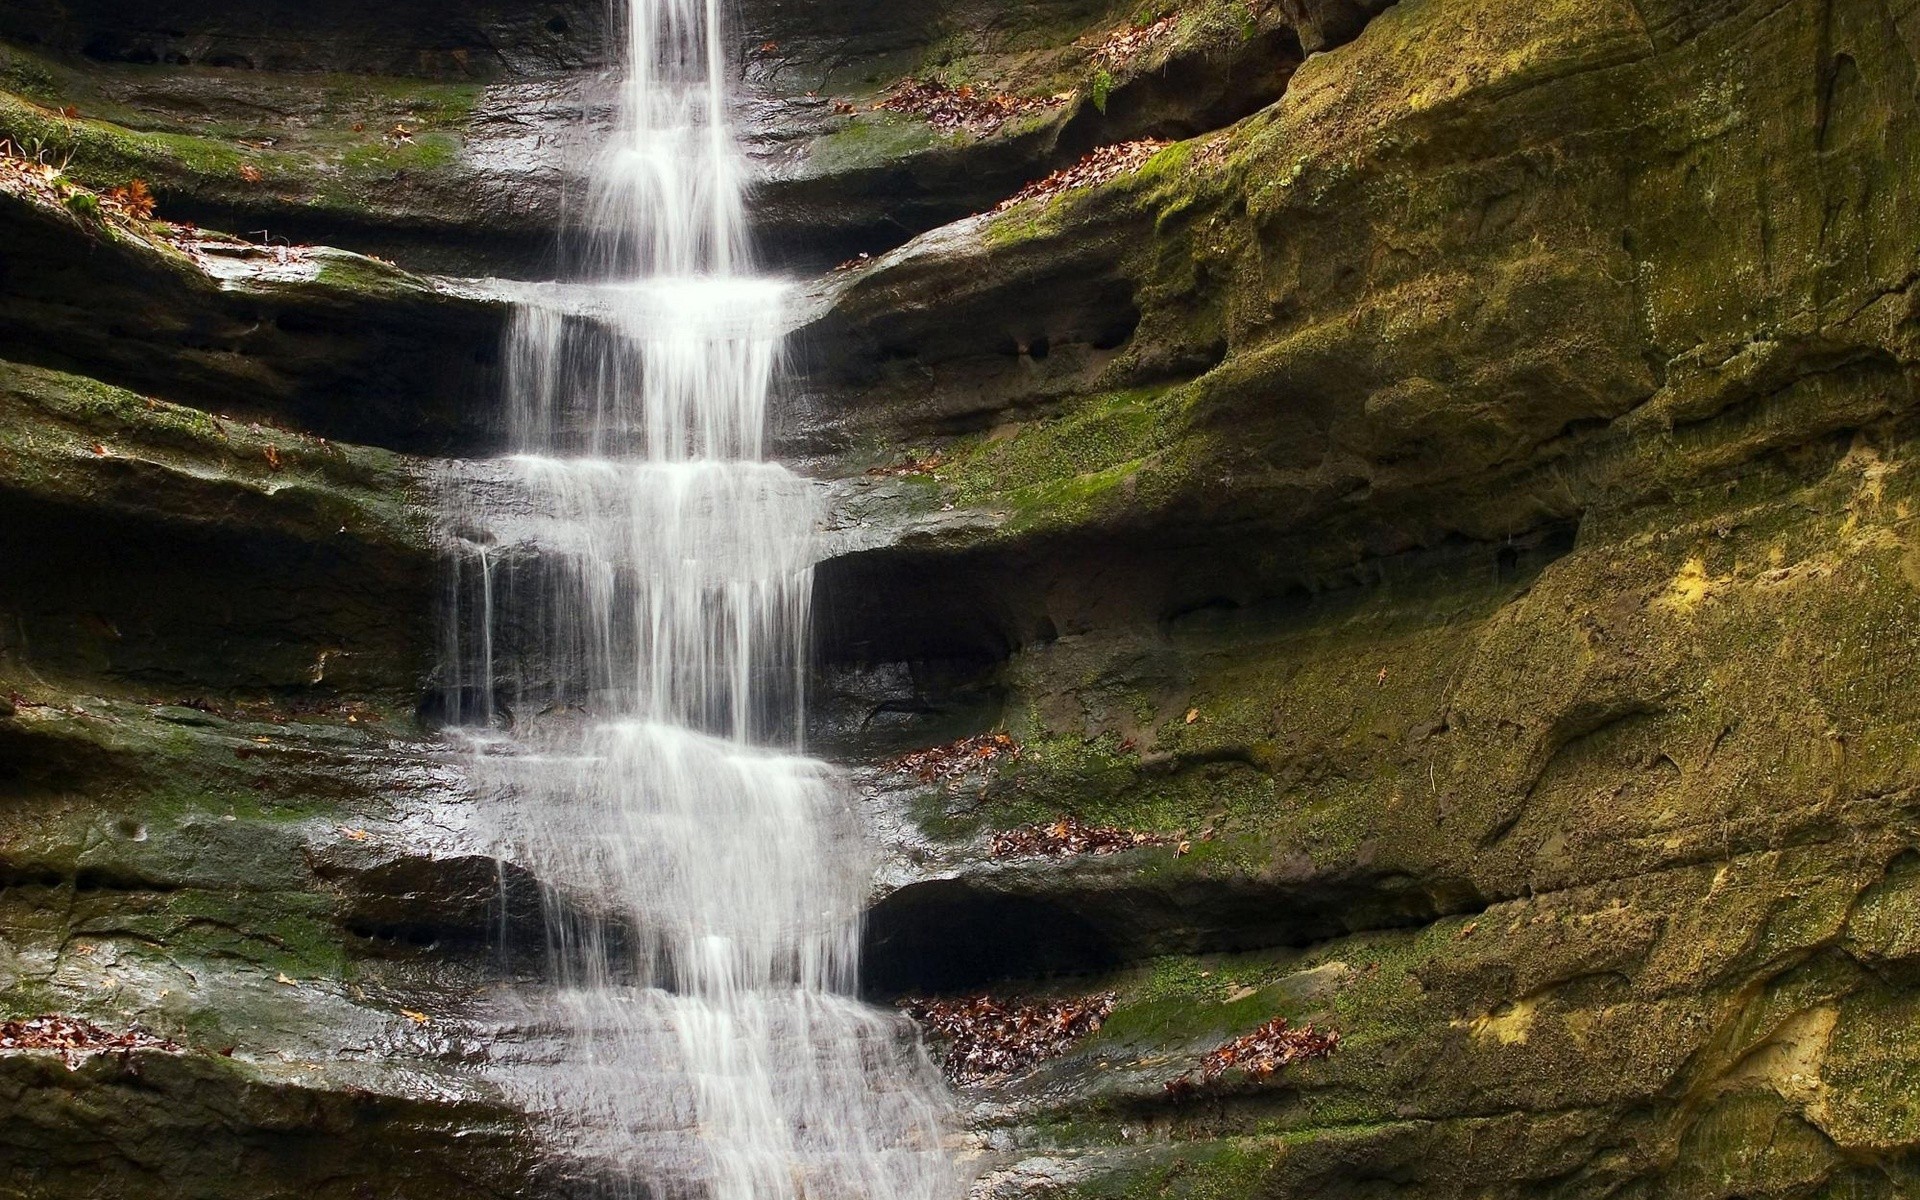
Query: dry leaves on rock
(1257,1055)
(950,109)
(953,762)
(22,172)
(1070,835)
(73,1037)
(980,1037)
(1108,162)
(135,199)
(1124,45)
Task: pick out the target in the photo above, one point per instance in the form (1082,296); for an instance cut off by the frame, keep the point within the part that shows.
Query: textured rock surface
(1474,489)
(445,135)
(1469,502)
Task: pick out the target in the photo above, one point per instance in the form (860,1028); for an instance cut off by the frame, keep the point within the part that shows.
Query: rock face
(1458,497)
(1469,488)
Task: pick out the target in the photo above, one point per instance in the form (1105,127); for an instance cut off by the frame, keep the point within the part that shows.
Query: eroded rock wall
(1465,501)
(1461,489)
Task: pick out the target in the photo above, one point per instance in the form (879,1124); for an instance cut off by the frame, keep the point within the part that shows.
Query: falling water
(627,651)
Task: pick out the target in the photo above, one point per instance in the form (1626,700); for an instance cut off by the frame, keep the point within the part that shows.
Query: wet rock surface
(1457,498)
(334,344)
(1480,590)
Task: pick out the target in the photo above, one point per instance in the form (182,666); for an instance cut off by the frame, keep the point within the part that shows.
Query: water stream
(627,655)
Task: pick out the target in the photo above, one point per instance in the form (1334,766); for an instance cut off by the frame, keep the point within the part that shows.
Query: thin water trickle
(626,653)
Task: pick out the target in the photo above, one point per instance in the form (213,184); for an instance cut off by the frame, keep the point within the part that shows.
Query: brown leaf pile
(1257,1055)
(24,173)
(1125,44)
(134,199)
(956,760)
(1108,162)
(949,108)
(1070,835)
(73,1037)
(982,1037)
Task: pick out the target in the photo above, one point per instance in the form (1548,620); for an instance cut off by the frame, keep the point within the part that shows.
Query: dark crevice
(953,935)
(902,605)
(950,935)
(111,879)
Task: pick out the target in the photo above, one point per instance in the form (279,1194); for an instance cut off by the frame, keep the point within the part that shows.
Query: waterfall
(626,660)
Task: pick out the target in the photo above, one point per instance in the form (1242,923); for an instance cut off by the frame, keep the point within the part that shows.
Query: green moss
(1021,223)
(422,152)
(1873,1070)
(68,425)
(365,276)
(27,74)
(870,141)
(105,155)
(285,932)
(342,156)
(1188,1002)
(1225,1170)
(1064,469)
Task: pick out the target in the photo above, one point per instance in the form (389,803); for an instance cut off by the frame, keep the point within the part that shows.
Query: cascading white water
(631,600)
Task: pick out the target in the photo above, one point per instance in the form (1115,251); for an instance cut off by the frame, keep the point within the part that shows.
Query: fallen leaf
(134,199)
(1257,1056)
(1069,835)
(282,978)
(979,1037)
(357,835)
(250,173)
(950,108)
(953,762)
(1097,167)
(74,1038)
(1124,44)
(418,1018)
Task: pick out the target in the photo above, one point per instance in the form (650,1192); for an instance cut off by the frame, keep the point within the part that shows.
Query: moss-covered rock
(420,169)
(335,344)
(851,176)
(164,547)
(1466,501)
(1388,322)
(232,876)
